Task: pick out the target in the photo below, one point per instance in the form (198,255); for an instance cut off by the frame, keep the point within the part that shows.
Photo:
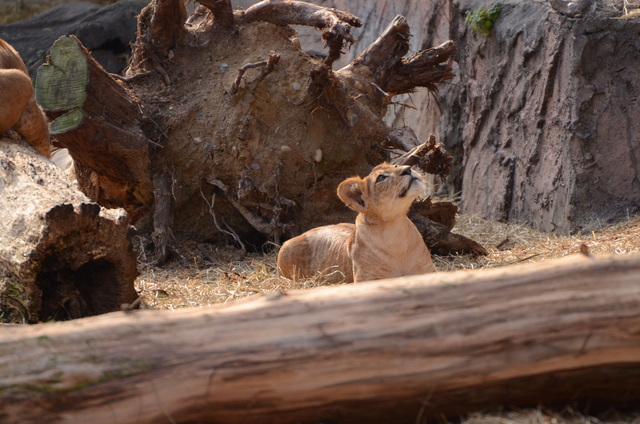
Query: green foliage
(481,20)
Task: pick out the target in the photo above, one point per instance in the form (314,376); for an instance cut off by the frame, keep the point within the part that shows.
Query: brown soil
(269,147)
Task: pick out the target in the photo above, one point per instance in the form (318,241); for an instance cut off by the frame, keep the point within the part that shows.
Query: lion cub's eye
(381,178)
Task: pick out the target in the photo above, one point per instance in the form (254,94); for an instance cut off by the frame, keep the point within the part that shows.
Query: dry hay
(541,416)
(207,275)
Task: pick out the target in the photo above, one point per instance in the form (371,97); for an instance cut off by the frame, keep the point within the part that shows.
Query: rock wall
(545,114)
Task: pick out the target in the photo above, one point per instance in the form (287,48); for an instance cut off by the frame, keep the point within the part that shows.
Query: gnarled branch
(397,74)
(425,68)
(267,67)
(336,24)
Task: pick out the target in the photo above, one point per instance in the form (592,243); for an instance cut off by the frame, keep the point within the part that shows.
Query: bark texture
(101,124)
(61,256)
(403,351)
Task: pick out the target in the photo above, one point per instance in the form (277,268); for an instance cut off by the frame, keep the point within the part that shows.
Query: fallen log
(397,351)
(61,256)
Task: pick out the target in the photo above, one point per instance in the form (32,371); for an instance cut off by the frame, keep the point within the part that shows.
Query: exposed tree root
(336,24)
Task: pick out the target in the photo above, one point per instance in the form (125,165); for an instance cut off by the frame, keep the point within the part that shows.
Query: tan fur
(18,107)
(383,243)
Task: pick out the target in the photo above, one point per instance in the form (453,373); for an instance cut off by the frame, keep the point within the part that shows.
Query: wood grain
(390,351)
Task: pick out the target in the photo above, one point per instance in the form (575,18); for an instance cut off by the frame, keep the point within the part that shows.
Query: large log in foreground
(390,351)
(61,256)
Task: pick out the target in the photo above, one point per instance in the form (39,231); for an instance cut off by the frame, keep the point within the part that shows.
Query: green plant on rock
(481,20)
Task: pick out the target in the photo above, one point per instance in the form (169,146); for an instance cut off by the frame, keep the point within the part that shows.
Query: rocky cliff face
(543,116)
(545,113)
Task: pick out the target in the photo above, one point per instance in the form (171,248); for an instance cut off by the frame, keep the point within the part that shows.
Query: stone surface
(544,115)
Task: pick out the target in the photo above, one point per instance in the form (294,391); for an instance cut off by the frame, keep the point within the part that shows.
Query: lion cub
(18,107)
(383,243)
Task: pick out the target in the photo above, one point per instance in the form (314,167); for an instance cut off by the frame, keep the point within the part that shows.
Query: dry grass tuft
(208,275)
(511,243)
(541,416)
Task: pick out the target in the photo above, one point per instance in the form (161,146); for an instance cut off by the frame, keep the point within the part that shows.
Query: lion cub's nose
(406,171)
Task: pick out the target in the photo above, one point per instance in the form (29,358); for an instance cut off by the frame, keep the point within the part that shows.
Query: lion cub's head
(385,193)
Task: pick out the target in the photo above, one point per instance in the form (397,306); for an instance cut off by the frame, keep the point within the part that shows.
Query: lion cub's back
(320,250)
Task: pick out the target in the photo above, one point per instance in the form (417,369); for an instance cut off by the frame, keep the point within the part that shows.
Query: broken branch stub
(222,11)
(336,24)
(384,53)
(430,157)
(101,124)
(397,74)
(425,68)
(160,30)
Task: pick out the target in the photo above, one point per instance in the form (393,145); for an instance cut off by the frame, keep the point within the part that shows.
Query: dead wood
(435,220)
(61,256)
(108,134)
(407,350)
(162,236)
(222,11)
(336,24)
(160,30)
(384,53)
(441,241)
(273,157)
(100,123)
(430,157)
(441,212)
(426,68)
(396,74)
(402,138)
(267,67)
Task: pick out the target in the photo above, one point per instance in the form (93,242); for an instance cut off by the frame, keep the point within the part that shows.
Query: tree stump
(61,256)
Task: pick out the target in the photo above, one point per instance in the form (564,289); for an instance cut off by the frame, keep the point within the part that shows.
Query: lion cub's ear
(350,191)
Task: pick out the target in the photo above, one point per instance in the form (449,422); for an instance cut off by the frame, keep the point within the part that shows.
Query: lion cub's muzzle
(407,172)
